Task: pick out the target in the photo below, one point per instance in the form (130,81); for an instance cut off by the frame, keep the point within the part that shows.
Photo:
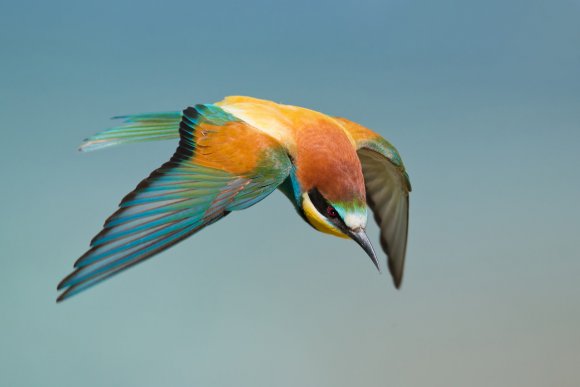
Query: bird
(231,155)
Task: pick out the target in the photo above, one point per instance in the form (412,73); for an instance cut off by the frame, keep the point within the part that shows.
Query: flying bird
(231,155)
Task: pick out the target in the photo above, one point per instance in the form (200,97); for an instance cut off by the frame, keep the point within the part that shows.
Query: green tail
(136,128)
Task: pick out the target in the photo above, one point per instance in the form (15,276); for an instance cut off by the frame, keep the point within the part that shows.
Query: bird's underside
(233,154)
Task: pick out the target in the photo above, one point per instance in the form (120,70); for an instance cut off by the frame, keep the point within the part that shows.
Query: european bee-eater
(231,155)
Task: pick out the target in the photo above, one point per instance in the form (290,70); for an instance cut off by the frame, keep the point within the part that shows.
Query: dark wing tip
(397,279)
(60,285)
(395,268)
(63,296)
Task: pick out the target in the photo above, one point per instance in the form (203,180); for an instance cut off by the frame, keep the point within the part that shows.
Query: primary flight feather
(231,155)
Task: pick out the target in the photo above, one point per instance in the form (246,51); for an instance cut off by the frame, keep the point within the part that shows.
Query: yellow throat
(317,220)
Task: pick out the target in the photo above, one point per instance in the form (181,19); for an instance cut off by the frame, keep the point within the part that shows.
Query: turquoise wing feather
(136,128)
(174,202)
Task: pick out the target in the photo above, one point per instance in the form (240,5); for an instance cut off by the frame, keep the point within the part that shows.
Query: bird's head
(329,189)
(345,219)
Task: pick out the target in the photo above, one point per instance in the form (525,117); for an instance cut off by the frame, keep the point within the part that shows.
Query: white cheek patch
(355,220)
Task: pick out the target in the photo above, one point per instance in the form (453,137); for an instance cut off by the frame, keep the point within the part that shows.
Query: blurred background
(482,99)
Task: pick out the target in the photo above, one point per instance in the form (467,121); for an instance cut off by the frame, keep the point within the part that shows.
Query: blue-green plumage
(291,188)
(174,202)
(136,128)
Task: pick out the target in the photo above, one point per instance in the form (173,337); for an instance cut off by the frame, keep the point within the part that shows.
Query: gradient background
(481,98)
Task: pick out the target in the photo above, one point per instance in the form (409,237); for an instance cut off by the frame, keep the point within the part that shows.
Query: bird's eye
(331,212)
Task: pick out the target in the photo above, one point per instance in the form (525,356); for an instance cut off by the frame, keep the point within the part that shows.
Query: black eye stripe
(322,206)
(318,200)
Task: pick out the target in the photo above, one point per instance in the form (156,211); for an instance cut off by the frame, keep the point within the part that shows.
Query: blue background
(482,99)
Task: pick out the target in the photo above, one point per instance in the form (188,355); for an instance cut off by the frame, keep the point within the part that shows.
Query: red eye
(331,212)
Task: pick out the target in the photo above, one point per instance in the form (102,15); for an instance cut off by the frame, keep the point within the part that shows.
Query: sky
(482,99)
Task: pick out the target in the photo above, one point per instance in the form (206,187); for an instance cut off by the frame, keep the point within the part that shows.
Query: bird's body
(233,154)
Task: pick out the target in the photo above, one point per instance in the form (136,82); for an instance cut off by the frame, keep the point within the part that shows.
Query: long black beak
(362,239)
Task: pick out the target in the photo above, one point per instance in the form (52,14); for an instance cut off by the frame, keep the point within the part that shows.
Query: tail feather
(136,128)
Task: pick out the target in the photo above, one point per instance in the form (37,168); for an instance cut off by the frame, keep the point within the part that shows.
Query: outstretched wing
(221,165)
(387,185)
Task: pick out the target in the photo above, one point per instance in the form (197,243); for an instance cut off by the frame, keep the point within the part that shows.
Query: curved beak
(360,237)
